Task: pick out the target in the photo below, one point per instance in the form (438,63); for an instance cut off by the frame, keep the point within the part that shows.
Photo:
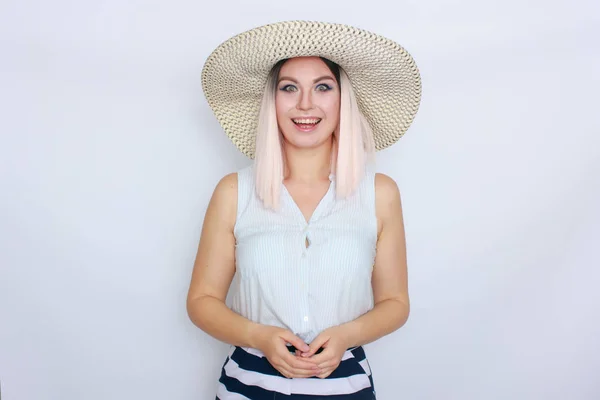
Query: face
(307,102)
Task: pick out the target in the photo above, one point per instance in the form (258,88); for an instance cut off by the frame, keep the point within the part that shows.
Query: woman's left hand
(334,343)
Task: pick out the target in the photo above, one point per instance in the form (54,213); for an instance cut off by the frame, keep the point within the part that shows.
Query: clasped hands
(304,363)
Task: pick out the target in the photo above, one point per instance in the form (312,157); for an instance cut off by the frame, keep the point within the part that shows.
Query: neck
(307,165)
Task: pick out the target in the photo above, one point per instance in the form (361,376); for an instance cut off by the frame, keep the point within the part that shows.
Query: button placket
(304,240)
(304,271)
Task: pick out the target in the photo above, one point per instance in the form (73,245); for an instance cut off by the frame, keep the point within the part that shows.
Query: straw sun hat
(384,76)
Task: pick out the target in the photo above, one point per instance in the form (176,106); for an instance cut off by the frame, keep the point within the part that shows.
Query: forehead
(305,66)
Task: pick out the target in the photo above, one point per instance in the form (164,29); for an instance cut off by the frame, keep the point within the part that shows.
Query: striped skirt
(247,374)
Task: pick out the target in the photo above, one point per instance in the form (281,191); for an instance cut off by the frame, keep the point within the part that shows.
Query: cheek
(285,101)
(280,115)
(282,106)
(332,109)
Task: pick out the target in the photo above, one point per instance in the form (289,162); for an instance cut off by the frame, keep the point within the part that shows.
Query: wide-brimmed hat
(383,74)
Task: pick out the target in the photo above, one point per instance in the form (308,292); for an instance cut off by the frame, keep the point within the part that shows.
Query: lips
(308,124)
(306,121)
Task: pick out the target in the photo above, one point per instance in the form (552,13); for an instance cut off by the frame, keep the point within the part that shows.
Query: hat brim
(383,74)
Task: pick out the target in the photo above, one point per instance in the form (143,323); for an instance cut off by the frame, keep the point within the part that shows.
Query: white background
(109,154)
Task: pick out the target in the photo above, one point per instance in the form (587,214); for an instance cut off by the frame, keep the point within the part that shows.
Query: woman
(315,235)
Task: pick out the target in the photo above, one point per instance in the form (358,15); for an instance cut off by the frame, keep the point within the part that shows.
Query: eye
(288,88)
(322,87)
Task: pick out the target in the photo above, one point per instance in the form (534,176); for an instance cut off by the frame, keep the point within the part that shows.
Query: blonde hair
(353,144)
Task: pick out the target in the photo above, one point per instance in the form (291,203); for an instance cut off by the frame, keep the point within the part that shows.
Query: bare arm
(390,277)
(214,269)
(213,272)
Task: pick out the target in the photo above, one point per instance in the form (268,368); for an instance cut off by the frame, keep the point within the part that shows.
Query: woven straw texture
(384,76)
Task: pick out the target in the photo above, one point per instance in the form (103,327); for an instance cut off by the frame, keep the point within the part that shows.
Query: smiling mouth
(306,122)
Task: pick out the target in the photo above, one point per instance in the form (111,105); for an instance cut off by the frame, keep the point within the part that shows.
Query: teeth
(307,121)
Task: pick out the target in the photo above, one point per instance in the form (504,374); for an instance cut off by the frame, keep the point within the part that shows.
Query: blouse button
(305,319)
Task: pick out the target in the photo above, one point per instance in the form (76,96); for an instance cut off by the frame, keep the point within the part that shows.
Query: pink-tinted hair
(353,144)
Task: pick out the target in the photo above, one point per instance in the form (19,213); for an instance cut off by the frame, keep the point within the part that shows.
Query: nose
(305,100)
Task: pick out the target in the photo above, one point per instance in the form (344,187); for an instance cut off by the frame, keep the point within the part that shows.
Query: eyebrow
(287,78)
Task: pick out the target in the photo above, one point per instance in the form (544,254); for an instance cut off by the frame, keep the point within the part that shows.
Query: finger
(329,364)
(283,371)
(295,341)
(326,371)
(325,374)
(323,357)
(299,363)
(315,345)
(287,371)
(298,373)
(290,372)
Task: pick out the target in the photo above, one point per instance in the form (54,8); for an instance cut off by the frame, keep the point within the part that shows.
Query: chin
(306,140)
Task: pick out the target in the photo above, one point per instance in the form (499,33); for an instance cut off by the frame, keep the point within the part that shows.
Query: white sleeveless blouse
(304,289)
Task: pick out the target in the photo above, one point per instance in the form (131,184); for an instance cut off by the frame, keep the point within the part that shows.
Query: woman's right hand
(271,340)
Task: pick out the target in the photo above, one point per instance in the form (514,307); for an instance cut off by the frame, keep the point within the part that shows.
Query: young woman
(316,236)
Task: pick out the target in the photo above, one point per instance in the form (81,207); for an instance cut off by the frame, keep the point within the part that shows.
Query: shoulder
(227,185)
(230,184)
(386,189)
(387,197)
(223,203)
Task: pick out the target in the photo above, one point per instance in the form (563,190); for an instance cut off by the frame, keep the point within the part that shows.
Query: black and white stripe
(247,374)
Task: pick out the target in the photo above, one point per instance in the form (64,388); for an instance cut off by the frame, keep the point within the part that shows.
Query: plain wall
(109,154)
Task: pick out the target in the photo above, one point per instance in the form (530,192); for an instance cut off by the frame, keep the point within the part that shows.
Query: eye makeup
(321,87)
